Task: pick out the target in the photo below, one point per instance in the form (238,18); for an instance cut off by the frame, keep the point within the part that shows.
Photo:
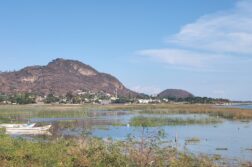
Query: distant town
(103,98)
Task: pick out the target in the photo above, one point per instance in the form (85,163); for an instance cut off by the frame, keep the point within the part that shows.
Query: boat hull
(17,133)
(44,130)
(16,125)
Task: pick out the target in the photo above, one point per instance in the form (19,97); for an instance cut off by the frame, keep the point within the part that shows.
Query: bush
(2,131)
(91,152)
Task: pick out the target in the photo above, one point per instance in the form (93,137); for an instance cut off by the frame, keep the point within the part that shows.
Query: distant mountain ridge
(60,77)
(175,93)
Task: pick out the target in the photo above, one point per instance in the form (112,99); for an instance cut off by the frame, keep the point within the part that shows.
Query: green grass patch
(20,113)
(167,121)
(119,124)
(193,140)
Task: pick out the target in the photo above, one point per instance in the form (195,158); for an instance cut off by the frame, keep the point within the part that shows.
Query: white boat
(17,125)
(28,132)
(25,129)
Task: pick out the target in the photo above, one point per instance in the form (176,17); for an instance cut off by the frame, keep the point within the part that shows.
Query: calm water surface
(241,106)
(248,106)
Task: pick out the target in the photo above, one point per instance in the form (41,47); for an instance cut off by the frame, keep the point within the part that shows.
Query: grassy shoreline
(93,152)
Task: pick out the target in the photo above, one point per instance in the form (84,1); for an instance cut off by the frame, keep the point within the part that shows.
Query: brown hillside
(59,77)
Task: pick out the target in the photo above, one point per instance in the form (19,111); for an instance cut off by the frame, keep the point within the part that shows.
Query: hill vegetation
(60,77)
(175,94)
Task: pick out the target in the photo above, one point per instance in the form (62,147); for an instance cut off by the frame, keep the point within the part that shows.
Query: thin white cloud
(180,57)
(225,32)
(210,40)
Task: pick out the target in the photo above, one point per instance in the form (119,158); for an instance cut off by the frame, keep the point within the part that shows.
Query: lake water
(234,137)
(248,106)
(241,106)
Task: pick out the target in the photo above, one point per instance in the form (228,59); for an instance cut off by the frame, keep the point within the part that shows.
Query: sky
(203,46)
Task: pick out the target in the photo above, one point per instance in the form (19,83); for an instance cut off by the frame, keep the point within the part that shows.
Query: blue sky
(203,46)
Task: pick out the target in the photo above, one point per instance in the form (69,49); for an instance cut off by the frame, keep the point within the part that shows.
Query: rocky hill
(175,93)
(59,77)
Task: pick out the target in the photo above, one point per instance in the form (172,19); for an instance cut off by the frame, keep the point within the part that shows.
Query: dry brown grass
(228,113)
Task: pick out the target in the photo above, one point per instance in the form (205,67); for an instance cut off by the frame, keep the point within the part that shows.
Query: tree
(69,97)
(51,99)
(2,98)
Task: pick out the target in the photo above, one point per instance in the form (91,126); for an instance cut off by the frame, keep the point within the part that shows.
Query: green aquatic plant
(192,140)
(119,124)
(165,121)
(22,113)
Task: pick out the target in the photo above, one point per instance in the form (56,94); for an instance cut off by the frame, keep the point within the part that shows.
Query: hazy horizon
(201,47)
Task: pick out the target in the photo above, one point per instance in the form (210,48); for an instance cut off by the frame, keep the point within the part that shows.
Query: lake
(230,139)
(244,106)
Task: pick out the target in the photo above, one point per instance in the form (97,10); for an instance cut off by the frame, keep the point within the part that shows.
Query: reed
(15,113)
(165,121)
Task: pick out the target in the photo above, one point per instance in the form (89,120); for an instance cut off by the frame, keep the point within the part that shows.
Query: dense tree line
(201,100)
(69,98)
(19,98)
(51,99)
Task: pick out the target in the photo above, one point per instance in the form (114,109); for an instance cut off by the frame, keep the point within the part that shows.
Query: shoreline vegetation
(94,152)
(19,113)
(87,151)
(212,110)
